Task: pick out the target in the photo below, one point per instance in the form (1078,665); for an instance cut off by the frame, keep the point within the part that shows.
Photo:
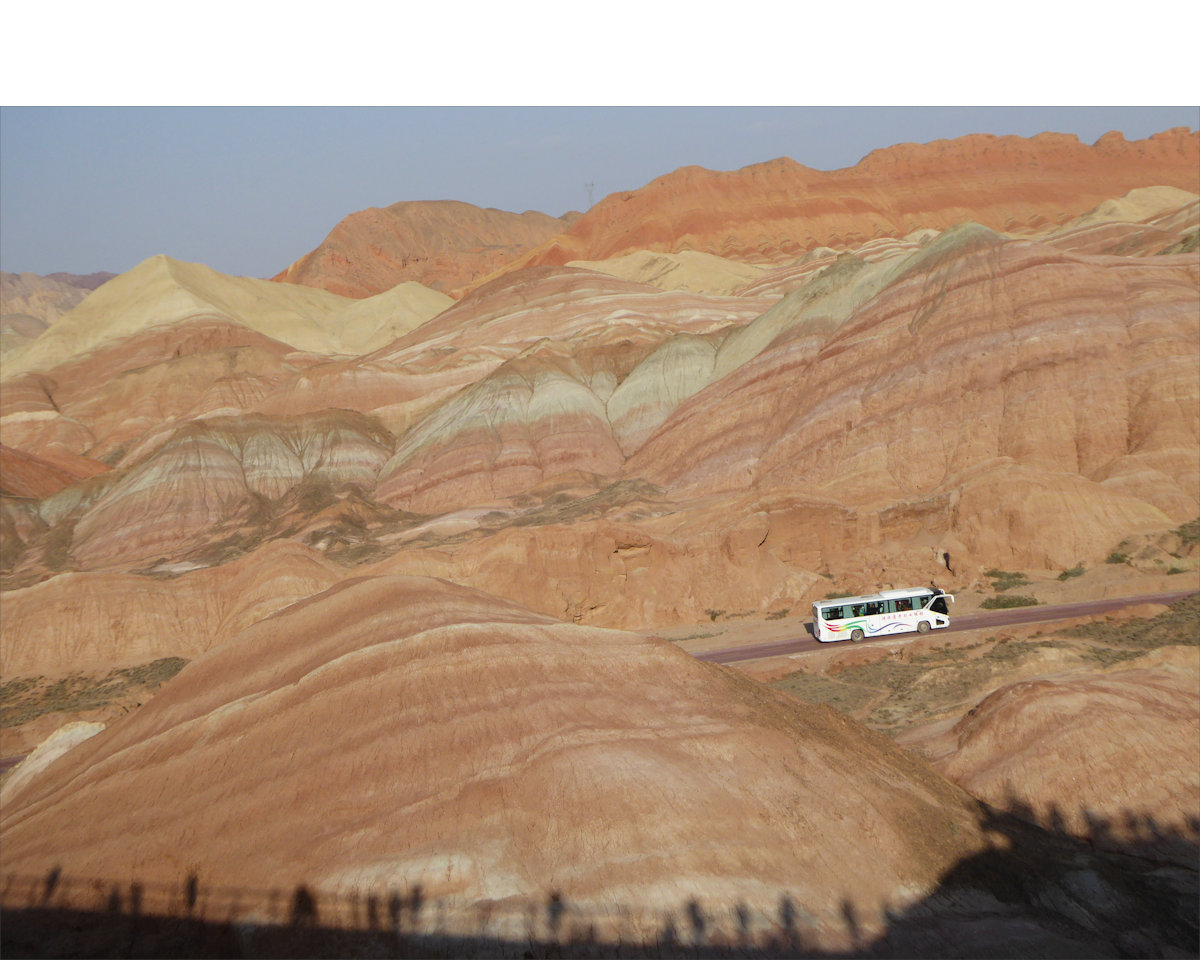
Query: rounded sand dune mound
(399,732)
(1108,755)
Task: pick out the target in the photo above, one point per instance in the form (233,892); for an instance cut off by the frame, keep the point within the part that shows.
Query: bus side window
(856,610)
(833,613)
(903,605)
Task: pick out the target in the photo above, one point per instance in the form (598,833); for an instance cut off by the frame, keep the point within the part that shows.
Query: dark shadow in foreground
(1037,891)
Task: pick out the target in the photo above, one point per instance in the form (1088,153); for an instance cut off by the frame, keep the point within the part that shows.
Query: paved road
(970,621)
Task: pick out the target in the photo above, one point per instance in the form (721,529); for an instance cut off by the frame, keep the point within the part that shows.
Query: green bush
(1005,579)
(1073,572)
(1117,557)
(1008,601)
(1190,531)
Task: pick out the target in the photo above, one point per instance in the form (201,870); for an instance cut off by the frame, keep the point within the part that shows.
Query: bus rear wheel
(923,626)
(855,636)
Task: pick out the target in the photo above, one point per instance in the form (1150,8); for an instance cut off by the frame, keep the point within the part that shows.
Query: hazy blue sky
(248,190)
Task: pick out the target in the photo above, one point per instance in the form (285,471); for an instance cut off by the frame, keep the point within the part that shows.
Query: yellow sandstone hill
(162,292)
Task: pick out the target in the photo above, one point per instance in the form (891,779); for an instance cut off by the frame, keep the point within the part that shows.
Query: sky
(165,158)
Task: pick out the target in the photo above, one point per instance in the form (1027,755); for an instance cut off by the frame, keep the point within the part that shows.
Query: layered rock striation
(770,213)
(442,245)
(984,378)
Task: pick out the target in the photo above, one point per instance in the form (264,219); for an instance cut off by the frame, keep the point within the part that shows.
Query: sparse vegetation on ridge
(27,698)
(1005,579)
(1179,625)
(902,690)
(1008,602)
(1189,532)
(563,508)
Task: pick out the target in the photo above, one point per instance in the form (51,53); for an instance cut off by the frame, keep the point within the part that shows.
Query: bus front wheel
(923,626)
(855,636)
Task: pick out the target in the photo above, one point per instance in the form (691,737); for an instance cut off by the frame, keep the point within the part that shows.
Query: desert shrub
(1107,656)
(1189,532)
(25,699)
(713,614)
(778,614)
(1008,601)
(1073,572)
(58,543)
(1005,579)
(1177,626)
(1117,557)
(113,457)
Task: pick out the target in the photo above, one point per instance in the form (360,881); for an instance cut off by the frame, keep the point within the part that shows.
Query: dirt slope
(485,752)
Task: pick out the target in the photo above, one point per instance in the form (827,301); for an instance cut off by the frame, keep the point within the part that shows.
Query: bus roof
(882,595)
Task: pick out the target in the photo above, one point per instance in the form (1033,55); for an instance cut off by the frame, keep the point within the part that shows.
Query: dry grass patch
(910,685)
(26,698)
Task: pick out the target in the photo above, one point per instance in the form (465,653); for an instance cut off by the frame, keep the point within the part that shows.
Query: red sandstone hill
(610,452)
(596,449)
(441,244)
(776,211)
(392,733)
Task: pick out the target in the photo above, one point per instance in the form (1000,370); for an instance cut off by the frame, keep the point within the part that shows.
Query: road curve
(970,621)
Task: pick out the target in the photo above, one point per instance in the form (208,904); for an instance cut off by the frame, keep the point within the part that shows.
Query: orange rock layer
(443,245)
(777,211)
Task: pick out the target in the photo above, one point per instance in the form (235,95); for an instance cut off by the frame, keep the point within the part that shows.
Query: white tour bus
(892,611)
